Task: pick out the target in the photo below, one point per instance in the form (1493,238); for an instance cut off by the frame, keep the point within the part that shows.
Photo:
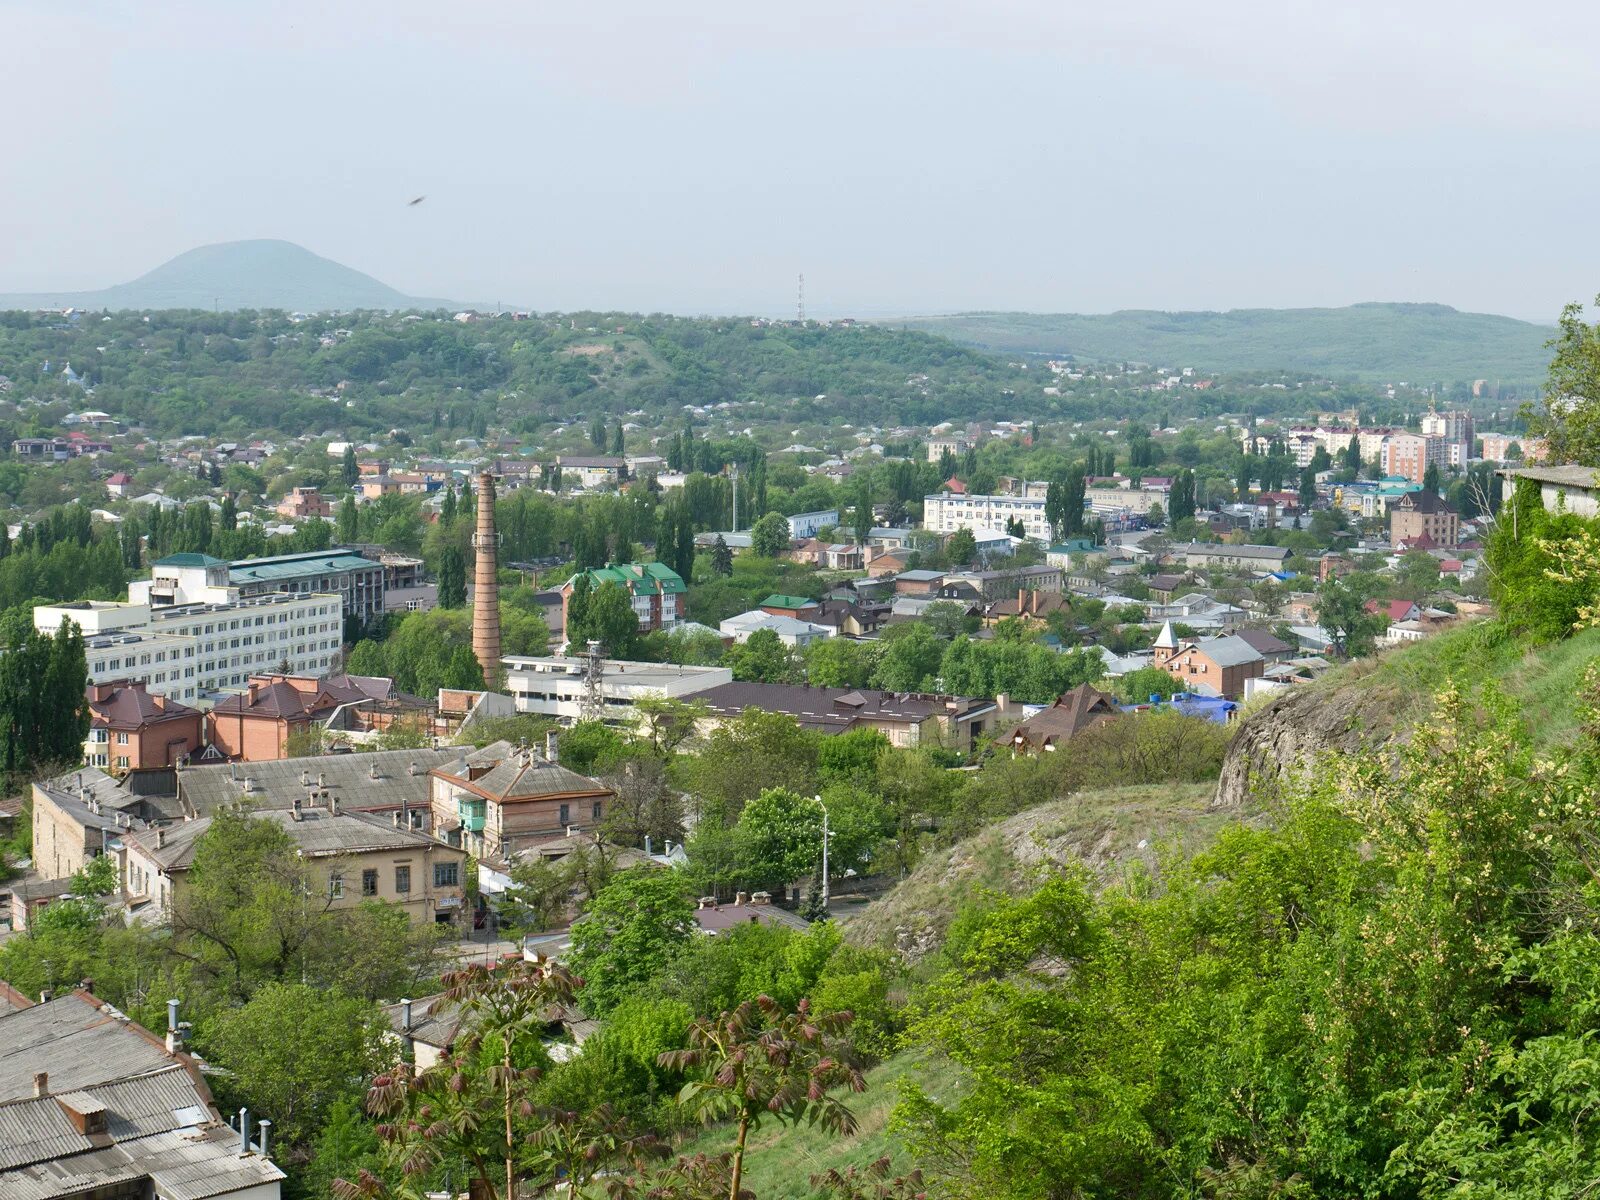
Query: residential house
(806,525)
(996,585)
(790,631)
(119,485)
(1421,514)
(593,471)
(851,618)
(358,857)
(1049,728)
(1215,666)
(78,817)
(801,608)
(1211,555)
(134,729)
(1271,647)
(93,1106)
(260,722)
(492,811)
(918,583)
(754,908)
(905,718)
(885,563)
(305,503)
(1395,610)
(1164,587)
(655,590)
(1030,605)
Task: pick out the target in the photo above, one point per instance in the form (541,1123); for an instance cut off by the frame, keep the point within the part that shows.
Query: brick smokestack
(486,587)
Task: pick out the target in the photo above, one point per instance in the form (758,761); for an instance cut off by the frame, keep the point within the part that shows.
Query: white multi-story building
(192,652)
(561,687)
(947,513)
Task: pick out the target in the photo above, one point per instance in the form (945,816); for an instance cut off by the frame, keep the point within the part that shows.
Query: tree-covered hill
(1390,342)
(362,374)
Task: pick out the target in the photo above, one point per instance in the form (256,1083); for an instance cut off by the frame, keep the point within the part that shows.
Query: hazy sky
(692,157)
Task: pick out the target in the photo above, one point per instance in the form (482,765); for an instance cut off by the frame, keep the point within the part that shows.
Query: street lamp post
(825,835)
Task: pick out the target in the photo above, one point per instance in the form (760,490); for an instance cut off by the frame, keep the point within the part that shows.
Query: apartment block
(947,513)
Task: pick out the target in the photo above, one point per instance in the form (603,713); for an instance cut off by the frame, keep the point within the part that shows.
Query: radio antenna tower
(800,300)
(592,707)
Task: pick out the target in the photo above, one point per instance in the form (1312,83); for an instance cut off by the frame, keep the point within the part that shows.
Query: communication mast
(800,300)
(594,665)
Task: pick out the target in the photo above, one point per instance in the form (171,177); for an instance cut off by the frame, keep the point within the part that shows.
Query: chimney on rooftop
(486,585)
(161,837)
(372,769)
(741,898)
(174,1030)
(552,746)
(41,1083)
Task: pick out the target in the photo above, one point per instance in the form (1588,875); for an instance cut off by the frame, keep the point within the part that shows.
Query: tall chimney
(486,587)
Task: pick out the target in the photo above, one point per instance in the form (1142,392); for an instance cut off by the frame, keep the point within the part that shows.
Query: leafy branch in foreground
(759,1061)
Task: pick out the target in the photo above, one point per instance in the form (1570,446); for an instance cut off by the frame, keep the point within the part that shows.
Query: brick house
(255,725)
(494,810)
(655,590)
(132,729)
(1418,515)
(1209,666)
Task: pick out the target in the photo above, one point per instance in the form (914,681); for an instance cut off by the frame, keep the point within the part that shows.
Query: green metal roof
(778,600)
(295,566)
(638,577)
(190,560)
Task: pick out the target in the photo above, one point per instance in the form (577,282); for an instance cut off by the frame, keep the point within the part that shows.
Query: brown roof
(279,696)
(130,706)
(1263,642)
(1422,502)
(1083,706)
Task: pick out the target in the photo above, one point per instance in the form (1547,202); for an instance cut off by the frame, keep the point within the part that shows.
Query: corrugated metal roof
(75,1042)
(348,778)
(253,570)
(38,1129)
(183,1166)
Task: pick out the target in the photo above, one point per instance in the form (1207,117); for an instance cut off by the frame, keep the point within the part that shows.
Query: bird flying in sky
(416,202)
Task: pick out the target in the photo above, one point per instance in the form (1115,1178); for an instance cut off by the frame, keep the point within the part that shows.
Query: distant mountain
(1416,343)
(264,273)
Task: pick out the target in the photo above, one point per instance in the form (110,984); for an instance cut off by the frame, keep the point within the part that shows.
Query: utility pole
(735,468)
(825,835)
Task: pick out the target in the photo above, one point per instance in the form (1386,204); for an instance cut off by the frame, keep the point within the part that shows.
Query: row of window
(445,875)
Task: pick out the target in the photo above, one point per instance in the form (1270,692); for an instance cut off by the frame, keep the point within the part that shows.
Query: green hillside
(263,273)
(1391,342)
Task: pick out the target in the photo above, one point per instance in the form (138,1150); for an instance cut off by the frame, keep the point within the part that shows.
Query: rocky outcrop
(1290,732)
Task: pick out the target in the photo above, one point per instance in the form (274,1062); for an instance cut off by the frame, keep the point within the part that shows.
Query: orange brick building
(131,729)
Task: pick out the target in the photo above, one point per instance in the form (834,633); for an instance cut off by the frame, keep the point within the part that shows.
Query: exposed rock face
(1292,731)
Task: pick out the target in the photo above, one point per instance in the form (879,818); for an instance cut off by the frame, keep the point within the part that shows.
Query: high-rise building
(486,585)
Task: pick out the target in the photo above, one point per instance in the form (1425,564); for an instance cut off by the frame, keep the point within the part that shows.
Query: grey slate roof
(77,1041)
(348,778)
(519,777)
(1231,651)
(1223,550)
(160,1124)
(317,833)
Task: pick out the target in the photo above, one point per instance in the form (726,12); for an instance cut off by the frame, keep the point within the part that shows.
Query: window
(402,879)
(336,886)
(446,874)
(566,813)
(596,813)
(122,739)
(369,883)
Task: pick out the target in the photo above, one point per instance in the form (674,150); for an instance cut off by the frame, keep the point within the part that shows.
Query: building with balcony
(948,513)
(656,592)
(494,810)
